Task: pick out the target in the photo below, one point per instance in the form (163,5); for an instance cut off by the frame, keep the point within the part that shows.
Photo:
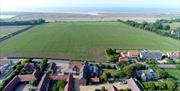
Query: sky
(15,5)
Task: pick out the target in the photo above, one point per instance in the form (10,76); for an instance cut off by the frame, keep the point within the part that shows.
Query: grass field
(83,40)
(174,73)
(174,25)
(5,30)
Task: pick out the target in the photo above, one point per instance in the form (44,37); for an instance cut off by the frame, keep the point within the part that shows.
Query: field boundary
(15,33)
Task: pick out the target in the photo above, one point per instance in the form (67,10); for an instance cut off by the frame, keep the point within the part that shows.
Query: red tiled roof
(123,59)
(132,85)
(19,78)
(62,77)
(112,88)
(77,64)
(95,80)
(28,66)
(133,53)
(123,54)
(24,78)
(171,54)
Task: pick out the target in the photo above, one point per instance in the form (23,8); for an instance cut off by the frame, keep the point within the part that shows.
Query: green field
(174,24)
(83,40)
(5,30)
(174,73)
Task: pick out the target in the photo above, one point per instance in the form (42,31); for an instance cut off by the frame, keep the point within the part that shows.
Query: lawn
(5,30)
(112,71)
(174,73)
(82,40)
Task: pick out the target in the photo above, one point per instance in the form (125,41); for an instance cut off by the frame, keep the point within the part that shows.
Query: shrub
(103,88)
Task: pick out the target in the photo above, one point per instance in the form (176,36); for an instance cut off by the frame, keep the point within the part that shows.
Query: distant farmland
(82,40)
(5,30)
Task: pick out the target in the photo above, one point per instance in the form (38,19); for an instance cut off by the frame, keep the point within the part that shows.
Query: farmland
(5,30)
(82,40)
(174,25)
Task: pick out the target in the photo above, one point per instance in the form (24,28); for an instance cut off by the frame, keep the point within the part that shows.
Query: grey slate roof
(151,55)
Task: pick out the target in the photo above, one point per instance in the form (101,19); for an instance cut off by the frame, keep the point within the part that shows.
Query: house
(29,66)
(133,85)
(95,80)
(75,67)
(123,57)
(44,83)
(112,88)
(151,55)
(133,54)
(146,75)
(173,55)
(4,65)
(94,69)
(12,84)
(20,78)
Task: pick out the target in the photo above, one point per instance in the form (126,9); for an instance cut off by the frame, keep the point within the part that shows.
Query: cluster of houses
(75,70)
(78,73)
(5,64)
(155,55)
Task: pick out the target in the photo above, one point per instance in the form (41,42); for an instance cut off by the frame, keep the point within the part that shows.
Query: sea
(107,10)
(6,16)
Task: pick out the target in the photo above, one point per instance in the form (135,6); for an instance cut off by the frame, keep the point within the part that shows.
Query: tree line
(157,27)
(27,22)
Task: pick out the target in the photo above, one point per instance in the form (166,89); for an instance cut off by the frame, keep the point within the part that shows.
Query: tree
(112,58)
(166,27)
(105,76)
(43,64)
(61,83)
(143,24)
(103,88)
(129,70)
(24,61)
(109,51)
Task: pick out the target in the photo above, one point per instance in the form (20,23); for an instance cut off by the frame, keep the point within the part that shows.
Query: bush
(149,85)
(24,61)
(33,83)
(171,84)
(162,73)
(161,85)
(103,88)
